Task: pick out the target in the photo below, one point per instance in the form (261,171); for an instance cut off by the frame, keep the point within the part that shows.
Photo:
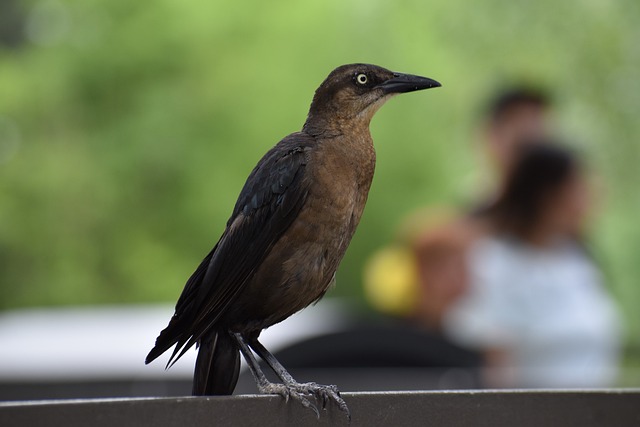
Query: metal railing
(508,408)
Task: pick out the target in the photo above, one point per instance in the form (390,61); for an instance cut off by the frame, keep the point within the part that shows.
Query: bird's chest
(341,181)
(309,253)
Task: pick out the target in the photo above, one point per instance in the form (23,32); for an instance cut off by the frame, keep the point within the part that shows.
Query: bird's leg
(323,393)
(264,385)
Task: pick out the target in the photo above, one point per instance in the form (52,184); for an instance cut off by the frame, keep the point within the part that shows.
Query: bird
(288,232)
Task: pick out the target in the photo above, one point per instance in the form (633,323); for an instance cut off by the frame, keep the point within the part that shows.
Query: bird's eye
(362,79)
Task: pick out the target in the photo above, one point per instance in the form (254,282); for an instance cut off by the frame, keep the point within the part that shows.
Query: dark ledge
(513,408)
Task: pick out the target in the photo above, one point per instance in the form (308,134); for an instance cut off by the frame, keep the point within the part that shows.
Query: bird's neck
(332,119)
(337,125)
(347,143)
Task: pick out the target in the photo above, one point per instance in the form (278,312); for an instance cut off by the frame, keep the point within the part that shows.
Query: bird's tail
(217,365)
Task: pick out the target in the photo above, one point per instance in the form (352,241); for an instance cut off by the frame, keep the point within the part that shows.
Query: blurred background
(127,129)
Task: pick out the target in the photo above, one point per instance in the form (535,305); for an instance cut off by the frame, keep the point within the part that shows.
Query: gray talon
(299,391)
(322,393)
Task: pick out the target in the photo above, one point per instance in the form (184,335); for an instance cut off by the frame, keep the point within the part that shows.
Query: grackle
(288,232)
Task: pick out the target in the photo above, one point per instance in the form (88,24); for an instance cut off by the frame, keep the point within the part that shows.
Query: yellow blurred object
(419,221)
(390,281)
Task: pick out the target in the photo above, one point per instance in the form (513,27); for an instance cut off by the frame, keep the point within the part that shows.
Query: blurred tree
(126,131)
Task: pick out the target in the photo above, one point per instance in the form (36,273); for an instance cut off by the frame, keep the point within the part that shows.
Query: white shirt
(546,308)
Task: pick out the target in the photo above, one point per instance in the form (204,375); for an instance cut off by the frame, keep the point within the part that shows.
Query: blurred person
(535,304)
(410,278)
(513,115)
(439,255)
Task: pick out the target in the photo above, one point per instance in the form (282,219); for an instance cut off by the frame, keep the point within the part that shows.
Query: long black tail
(217,366)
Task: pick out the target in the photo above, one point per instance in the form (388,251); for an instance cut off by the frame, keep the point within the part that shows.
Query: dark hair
(508,99)
(540,169)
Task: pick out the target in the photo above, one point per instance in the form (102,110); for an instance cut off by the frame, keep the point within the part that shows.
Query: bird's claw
(322,393)
(289,392)
(299,391)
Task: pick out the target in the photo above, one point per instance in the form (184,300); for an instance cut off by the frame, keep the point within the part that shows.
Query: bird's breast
(309,253)
(341,173)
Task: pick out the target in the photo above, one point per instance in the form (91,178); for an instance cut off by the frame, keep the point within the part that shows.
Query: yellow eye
(361,79)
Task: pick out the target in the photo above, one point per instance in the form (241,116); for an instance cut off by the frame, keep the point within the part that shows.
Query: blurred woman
(535,304)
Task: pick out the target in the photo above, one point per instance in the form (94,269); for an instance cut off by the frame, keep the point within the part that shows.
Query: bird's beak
(401,83)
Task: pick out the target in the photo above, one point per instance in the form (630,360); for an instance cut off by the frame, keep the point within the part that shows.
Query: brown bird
(288,232)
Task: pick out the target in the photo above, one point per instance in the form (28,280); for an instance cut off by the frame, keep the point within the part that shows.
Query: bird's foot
(300,391)
(322,393)
(287,392)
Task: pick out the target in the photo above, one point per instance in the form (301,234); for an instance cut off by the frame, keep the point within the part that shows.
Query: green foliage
(127,128)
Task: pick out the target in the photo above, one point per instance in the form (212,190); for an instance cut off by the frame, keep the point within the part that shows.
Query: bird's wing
(270,200)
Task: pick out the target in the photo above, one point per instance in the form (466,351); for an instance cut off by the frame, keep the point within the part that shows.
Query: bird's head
(351,95)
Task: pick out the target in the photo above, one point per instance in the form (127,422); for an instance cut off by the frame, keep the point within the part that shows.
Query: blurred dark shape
(380,353)
(12,20)
(378,345)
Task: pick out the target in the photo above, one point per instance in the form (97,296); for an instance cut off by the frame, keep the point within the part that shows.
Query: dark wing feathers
(269,202)
(183,313)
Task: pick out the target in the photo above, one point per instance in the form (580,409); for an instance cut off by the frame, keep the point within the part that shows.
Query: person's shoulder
(494,245)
